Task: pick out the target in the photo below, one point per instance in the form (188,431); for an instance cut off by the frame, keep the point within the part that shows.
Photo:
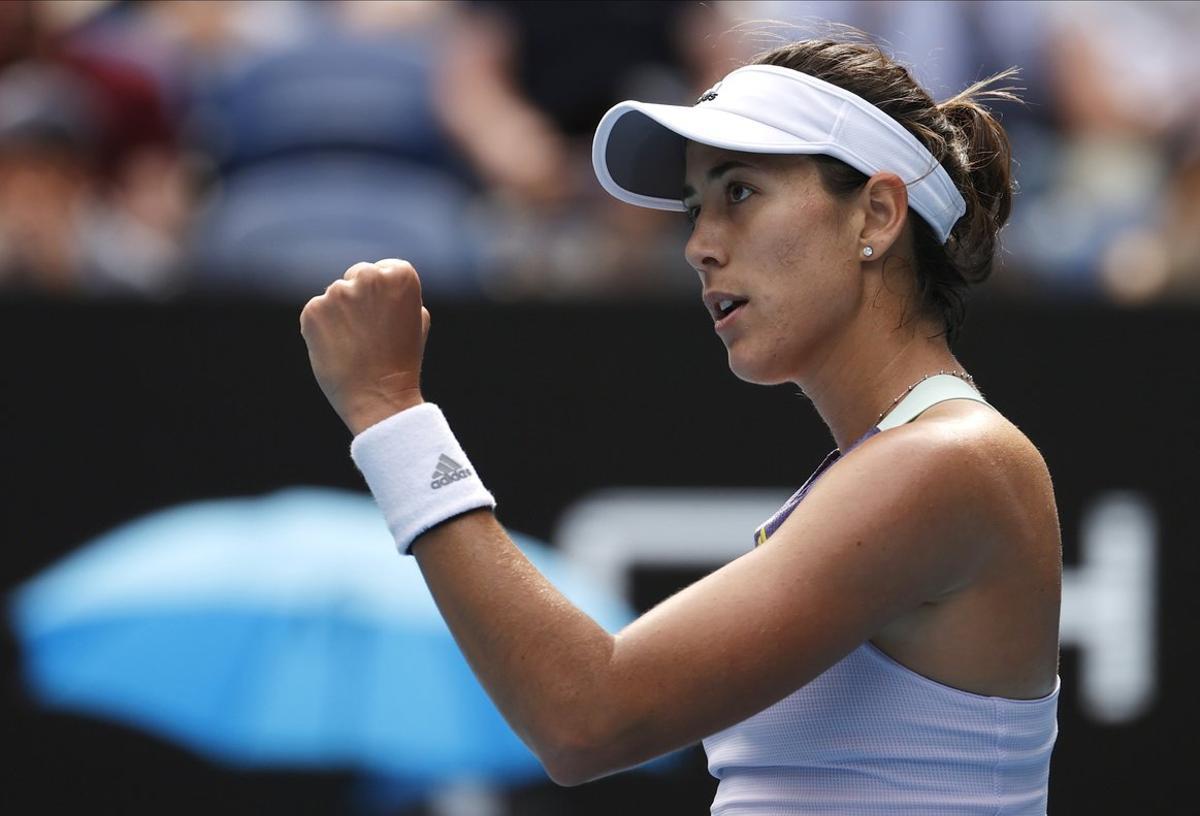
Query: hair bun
(981,149)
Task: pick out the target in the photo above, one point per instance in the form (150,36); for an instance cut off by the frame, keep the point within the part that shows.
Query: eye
(693,213)
(738,192)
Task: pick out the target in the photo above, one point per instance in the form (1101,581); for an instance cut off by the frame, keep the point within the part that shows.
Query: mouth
(723,304)
(728,307)
(726,311)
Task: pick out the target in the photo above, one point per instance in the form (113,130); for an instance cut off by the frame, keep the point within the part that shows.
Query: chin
(754,372)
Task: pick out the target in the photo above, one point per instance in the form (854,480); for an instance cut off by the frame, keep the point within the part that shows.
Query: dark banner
(577,415)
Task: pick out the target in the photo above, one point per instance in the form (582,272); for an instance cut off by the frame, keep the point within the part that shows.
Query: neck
(866,371)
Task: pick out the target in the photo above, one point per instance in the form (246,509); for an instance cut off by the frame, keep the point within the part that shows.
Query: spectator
(327,152)
(70,221)
(1127,84)
(520,90)
(93,196)
(266,144)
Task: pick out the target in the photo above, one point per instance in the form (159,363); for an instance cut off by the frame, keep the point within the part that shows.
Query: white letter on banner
(1109,607)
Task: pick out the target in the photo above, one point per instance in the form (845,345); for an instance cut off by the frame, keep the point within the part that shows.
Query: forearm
(549,667)
(544,662)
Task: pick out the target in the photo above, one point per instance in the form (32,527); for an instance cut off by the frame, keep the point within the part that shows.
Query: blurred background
(160,149)
(178,178)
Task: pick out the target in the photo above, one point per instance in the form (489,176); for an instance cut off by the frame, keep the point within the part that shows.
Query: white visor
(638,152)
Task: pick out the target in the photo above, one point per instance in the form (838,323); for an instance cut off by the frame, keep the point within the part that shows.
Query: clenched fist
(366,336)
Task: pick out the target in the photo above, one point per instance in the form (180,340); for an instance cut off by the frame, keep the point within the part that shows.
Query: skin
(936,540)
(817,309)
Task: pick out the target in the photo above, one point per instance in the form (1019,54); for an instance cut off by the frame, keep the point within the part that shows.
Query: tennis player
(889,642)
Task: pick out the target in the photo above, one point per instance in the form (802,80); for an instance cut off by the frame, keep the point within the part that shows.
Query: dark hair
(960,133)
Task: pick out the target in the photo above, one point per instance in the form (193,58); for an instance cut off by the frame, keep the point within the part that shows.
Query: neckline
(931,391)
(838,453)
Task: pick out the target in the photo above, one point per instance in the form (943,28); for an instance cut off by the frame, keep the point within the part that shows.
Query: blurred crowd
(165,147)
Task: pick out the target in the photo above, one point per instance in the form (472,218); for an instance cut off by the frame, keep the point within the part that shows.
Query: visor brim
(638,151)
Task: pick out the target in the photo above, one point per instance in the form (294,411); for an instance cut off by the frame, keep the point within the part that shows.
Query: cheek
(805,230)
(811,292)
(811,266)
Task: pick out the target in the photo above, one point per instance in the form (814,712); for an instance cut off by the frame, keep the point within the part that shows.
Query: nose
(705,250)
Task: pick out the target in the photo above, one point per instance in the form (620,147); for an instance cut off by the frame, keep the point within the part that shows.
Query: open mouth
(727,307)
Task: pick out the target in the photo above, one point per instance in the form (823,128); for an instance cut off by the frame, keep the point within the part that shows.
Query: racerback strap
(938,388)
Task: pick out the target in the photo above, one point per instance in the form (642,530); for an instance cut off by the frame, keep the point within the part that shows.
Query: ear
(884,200)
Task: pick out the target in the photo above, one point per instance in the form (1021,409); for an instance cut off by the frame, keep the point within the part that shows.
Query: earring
(868,251)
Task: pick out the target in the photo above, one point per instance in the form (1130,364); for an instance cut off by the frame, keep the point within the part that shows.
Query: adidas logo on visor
(448,471)
(709,95)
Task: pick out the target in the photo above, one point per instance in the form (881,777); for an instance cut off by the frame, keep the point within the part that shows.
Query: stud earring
(868,251)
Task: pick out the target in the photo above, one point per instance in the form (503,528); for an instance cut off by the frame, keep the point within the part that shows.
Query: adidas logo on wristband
(448,471)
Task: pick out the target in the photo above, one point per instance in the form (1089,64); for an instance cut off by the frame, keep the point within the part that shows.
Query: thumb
(426,319)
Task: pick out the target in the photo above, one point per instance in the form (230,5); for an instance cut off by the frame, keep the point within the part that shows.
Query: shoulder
(953,441)
(892,526)
(979,443)
(945,490)
(1015,499)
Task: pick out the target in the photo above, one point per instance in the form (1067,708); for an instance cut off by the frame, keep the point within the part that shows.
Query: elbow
(576,754)
(587,730)
(569,760)
(570,768)
(564,775)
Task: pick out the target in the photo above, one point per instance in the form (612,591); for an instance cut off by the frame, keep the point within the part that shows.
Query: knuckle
(309,313)
(357,269)
(399,270)
(395,264)
(370,272)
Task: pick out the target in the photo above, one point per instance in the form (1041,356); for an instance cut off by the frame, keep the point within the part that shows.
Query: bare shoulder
(939,494)
(978,426)
(971,441)
(995,631)
(1000,453)
(993,471)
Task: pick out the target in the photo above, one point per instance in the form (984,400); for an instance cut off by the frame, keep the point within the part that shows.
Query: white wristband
(417,472)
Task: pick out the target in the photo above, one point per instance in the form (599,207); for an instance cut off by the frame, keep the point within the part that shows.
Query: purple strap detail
(768,528)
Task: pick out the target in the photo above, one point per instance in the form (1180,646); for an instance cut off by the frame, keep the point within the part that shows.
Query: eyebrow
(716,172)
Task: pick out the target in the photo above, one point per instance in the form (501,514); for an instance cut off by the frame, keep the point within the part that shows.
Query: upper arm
(880,533)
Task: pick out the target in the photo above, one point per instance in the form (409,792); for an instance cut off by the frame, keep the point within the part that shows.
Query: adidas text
(453,477)
(448,472)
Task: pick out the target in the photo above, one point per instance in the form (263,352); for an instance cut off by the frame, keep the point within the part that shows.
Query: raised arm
(878,535)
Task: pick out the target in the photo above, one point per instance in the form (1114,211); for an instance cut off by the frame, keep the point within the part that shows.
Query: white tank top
(870,736)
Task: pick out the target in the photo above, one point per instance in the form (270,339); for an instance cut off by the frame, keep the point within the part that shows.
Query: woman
(890,645)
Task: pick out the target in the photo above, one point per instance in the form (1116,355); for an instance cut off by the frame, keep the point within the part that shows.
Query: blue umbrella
(276,631)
